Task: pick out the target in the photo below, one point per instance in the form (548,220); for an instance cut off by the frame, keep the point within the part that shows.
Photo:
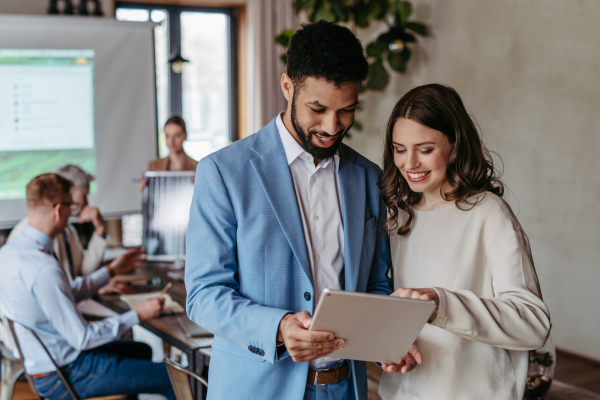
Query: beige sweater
(491,310)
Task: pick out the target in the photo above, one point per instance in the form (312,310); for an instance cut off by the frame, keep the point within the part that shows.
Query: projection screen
(76,90)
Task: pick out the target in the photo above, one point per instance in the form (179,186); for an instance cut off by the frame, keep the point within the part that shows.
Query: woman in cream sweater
(457,242)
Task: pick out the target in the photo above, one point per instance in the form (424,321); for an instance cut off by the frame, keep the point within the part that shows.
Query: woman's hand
(420,294)
(408,363)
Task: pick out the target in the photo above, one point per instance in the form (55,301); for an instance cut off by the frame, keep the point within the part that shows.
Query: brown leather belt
(40,376)
(331,375)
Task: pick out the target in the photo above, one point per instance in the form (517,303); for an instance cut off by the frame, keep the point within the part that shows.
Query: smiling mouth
(417,176)
(326,138)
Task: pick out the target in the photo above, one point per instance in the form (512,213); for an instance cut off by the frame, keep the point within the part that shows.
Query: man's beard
(317,152)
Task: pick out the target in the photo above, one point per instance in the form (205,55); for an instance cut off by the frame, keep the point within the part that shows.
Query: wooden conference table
(166,327)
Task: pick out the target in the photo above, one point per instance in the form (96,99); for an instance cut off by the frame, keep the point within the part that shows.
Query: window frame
(174,42)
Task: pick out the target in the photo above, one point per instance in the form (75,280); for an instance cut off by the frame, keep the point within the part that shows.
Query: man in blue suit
(278,217)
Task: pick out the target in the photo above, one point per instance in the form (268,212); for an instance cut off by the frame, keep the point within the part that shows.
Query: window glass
(161,43)
(205,80)
(132,14)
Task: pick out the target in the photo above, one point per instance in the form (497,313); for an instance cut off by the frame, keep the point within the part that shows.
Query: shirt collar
(40,237)
(293,150)
(291,147)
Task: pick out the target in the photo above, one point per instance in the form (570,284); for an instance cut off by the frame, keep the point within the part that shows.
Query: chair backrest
(5,336)
(66,382)
(180,380)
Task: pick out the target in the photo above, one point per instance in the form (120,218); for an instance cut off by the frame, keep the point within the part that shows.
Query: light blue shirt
(35,292)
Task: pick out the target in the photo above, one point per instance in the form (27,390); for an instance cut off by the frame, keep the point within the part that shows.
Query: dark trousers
(120,367)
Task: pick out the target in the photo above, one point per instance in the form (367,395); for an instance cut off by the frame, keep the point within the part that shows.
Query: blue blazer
(247,263)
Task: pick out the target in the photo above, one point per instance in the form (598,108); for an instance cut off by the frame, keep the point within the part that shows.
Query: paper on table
(94,309)
(134,300)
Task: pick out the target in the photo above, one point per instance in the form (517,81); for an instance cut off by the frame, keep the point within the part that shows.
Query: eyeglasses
(74,206)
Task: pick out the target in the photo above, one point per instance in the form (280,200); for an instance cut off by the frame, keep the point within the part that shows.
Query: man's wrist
(279,338)
(111,271)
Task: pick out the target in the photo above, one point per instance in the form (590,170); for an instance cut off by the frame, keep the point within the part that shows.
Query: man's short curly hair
(326,50)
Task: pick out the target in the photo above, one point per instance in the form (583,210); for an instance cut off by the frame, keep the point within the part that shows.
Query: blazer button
(261,353)
(306,296)
(251,349)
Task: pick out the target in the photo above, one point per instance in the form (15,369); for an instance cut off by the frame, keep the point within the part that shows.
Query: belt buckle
(317,379)
(317,376)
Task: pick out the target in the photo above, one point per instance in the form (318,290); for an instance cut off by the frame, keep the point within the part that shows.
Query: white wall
(529,71)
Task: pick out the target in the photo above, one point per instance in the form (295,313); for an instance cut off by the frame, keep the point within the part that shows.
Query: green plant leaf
(361,14)
(284,37)
(376,49)
(284,59)
(384,6)
(341,11)
(378,76)
(417,28)
(405,54)
(404,7)
(398,61)
(376,9)
(357,125)
(324,12)
(298,5)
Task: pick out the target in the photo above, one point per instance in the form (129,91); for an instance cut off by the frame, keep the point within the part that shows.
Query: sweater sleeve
(516,317)
(93,256)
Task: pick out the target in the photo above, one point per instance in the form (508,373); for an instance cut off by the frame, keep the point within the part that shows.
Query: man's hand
(127,262)
(115,286)
(420,294)
(150,308)
(408,363)
(302,344)
(93,214)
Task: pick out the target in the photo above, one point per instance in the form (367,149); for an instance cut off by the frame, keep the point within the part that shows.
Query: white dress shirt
(320,206)
(491,310)
(35,292)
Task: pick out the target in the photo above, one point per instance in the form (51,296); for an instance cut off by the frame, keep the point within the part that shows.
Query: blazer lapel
(353,187)
(274,174)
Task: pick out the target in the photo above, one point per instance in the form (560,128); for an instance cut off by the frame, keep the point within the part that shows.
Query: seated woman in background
(457,242)
(177,160)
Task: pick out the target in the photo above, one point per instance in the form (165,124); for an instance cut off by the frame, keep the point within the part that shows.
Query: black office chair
(180,380)
(64,379)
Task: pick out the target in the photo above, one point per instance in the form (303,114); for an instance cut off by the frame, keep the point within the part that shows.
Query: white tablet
(376,327)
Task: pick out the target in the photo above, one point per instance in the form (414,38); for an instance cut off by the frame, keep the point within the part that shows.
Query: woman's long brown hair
(470,170)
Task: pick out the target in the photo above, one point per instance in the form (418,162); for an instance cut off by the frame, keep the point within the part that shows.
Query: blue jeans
(342,390)
(120,367)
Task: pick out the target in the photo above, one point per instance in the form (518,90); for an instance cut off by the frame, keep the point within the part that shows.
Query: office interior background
(528,70)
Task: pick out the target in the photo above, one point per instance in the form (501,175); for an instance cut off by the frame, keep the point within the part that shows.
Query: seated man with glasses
(68,248)
(35,292)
